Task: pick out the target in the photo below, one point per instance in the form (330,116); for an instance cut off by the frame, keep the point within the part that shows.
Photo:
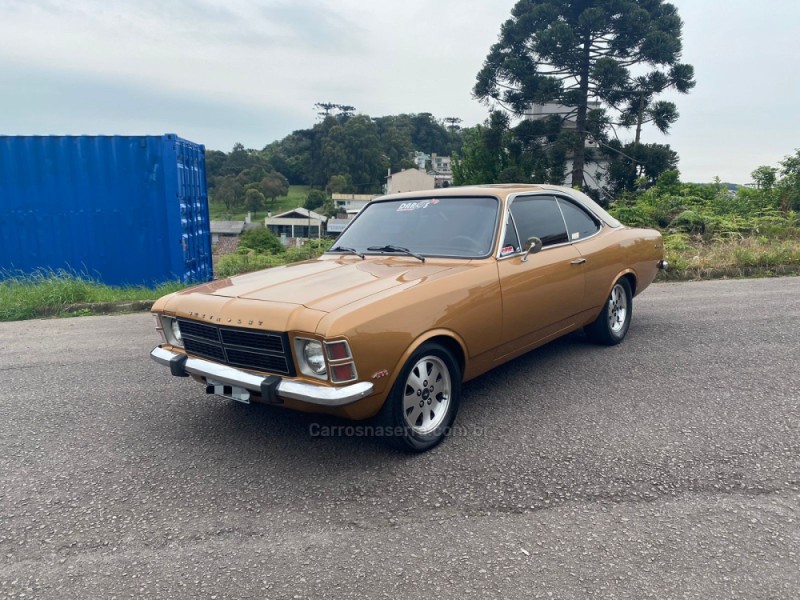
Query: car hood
(328,284)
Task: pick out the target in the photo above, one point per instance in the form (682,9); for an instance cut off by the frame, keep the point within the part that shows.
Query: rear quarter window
(580,224)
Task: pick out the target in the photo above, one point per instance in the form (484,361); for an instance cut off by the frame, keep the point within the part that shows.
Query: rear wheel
(424,400)
(614,320)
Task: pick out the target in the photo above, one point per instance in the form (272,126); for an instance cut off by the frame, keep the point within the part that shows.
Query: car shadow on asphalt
(488,405)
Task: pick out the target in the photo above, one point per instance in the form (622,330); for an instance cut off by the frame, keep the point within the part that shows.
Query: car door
(600,266)
(542,293)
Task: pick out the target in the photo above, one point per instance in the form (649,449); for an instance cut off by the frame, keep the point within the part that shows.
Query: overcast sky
(219,72)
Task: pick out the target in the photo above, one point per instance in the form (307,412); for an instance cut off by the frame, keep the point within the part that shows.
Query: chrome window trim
(597,221)
(553,194)
(564,191)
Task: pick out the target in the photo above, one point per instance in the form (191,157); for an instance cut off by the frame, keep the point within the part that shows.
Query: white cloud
(227,71)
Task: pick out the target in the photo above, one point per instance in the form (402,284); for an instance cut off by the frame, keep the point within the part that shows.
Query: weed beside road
(52,293)
(756,256)
(56,293)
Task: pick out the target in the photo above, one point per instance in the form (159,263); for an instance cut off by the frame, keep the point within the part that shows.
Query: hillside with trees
(359,148)
(343,153)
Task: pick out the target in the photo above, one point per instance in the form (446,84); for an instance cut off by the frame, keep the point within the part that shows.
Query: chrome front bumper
(271,387)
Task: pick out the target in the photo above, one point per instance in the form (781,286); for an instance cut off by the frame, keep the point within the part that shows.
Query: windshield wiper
(397,249)
(347,250)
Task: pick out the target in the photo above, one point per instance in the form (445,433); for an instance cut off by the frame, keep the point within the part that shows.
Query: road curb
(108,308)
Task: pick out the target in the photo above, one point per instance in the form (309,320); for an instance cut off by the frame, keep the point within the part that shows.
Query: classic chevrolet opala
(423,291)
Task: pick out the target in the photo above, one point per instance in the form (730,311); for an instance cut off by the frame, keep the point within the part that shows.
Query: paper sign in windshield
(408,206)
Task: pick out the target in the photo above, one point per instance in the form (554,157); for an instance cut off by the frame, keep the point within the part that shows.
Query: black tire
(611,326)
(417,426)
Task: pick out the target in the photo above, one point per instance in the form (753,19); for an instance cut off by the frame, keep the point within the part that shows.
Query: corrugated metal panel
(123,209)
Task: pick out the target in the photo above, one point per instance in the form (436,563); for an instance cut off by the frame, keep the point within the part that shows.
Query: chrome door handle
(578,261)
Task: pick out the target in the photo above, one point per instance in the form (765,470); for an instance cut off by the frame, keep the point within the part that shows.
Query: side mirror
(532,246)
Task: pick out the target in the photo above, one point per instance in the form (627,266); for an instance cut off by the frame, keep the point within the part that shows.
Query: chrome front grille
(265,351)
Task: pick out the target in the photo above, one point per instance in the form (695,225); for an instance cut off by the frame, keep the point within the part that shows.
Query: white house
(594,171)
(298,223)
(421,159)
(351,203)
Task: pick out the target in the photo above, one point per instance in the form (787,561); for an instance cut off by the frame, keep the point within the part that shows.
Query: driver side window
(539,216)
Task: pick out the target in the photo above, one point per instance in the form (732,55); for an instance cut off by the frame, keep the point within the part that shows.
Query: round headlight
(312,353)
(176,331)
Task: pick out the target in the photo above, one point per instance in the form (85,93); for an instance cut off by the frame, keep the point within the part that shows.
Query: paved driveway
(667,467)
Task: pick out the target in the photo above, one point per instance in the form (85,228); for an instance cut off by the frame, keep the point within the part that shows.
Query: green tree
(627,174)
(641,106)
(789,185)
(315,199)
(328,208)
(292,156)
(215,162)
(332,146)
(495,152)
(354,149)
(274,186)
(254,200)
(483,155)
(339,184)
(765,177)
(572,53)
(229,191)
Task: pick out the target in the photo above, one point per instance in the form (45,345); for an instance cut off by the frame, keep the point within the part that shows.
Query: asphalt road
(667,467)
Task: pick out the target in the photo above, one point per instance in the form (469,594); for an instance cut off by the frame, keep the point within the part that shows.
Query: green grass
(54,293)
(51,293)
(296,197)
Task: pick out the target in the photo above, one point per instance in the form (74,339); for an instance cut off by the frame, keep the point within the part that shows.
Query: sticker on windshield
(408,206)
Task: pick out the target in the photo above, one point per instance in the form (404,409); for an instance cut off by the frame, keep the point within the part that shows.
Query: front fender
(450,335)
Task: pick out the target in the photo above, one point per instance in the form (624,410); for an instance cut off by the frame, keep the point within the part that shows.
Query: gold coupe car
(422,292)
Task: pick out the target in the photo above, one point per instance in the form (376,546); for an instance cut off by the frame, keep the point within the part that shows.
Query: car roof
(503,191)
(493,189)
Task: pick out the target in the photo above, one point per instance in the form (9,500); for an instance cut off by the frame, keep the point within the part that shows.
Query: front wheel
(611,325)
(424,400)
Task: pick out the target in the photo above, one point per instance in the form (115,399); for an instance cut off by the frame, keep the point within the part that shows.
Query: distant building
(421,160)
(221,229)
(336,226)
(351,203)
(594,171)
(410,180)
(442,170)
(441,164)
(440,167)
(298,223)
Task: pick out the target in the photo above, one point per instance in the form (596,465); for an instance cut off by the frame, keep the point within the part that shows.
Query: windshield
(452,226)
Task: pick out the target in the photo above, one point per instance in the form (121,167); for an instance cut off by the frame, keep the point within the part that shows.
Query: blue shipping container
(126,210)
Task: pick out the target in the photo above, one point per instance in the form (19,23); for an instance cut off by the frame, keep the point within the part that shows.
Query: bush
(262,241)
(676,241)
(691,222)
(246,260)
(706,211)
